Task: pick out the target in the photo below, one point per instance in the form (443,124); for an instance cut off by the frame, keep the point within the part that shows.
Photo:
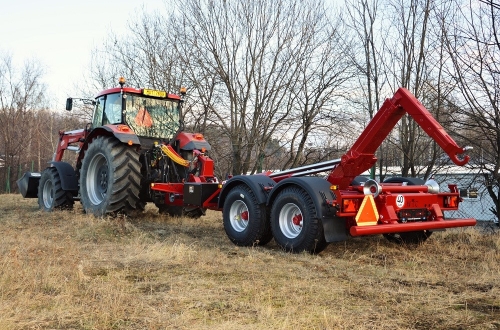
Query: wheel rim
(97,179)
(238,215)
(48,194)
(290,220)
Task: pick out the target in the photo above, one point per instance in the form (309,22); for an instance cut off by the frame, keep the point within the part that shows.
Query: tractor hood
(191,141)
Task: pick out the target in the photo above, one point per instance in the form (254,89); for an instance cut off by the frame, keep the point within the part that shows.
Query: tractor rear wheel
(294,225)
(110,178)
(245,220)
(51,196)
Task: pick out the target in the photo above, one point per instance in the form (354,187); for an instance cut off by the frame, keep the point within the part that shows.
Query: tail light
(451,201)
(350,205)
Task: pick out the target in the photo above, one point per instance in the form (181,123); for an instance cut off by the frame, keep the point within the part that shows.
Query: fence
(8,177)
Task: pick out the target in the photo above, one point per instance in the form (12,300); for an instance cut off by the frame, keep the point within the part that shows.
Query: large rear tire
(294,225)
(245,220)
(51,196)
(110,177)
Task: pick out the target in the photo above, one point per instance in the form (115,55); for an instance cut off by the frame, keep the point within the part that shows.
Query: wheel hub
(297,220)
(97,179)
(238,215)
(102,179)
(290,220)
(48,194)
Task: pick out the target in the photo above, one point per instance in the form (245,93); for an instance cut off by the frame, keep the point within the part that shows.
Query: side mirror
(69,103)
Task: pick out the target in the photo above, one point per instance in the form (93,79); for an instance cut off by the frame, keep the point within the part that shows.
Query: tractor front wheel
(110,178)
(294,225)
(51,196)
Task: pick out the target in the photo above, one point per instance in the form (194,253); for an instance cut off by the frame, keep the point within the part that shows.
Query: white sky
(61,35)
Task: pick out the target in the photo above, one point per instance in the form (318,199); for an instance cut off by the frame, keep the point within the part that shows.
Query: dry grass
(66,270)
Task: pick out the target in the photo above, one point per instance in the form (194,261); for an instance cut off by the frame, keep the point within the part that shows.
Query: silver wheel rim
(48,193)
(290,220)
(238,215)
(97,179)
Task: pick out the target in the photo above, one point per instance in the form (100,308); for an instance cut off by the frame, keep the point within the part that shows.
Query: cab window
(112,109)
(99,107)
(108,110)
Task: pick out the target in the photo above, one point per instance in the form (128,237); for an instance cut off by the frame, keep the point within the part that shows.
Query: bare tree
(367,56)
(404,50)
(262,69)
(474,47)
(21,93)
(411,49)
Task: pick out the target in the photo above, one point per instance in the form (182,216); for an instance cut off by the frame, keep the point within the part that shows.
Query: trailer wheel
(51,196)
(245,220)
(411,237)
(294,225)
(110,177)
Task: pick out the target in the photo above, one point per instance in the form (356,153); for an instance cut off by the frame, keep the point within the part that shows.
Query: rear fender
(122,132)
(319,191)
(259,184)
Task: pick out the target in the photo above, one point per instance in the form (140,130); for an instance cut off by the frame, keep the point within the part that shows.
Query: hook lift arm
(361,156)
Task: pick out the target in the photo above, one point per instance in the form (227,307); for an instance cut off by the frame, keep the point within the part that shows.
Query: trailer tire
(110,178)
(51,196)
(245,220)
(294,224)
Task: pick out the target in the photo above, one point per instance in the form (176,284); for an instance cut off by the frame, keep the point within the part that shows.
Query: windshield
(150,117)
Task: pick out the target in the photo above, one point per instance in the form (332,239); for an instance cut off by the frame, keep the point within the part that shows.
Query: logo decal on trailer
(400,201)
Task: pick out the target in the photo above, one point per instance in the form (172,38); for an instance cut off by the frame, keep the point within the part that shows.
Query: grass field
(67,270)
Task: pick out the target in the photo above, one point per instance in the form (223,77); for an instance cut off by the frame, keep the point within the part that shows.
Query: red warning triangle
(367,214)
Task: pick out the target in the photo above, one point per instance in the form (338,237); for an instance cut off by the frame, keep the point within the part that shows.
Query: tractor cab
(149,113)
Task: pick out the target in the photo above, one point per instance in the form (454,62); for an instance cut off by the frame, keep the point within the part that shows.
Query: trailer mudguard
(259,184)
(319,190)
(69,181)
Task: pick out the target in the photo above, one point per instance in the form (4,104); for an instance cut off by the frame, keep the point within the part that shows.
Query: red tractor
(136,139)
